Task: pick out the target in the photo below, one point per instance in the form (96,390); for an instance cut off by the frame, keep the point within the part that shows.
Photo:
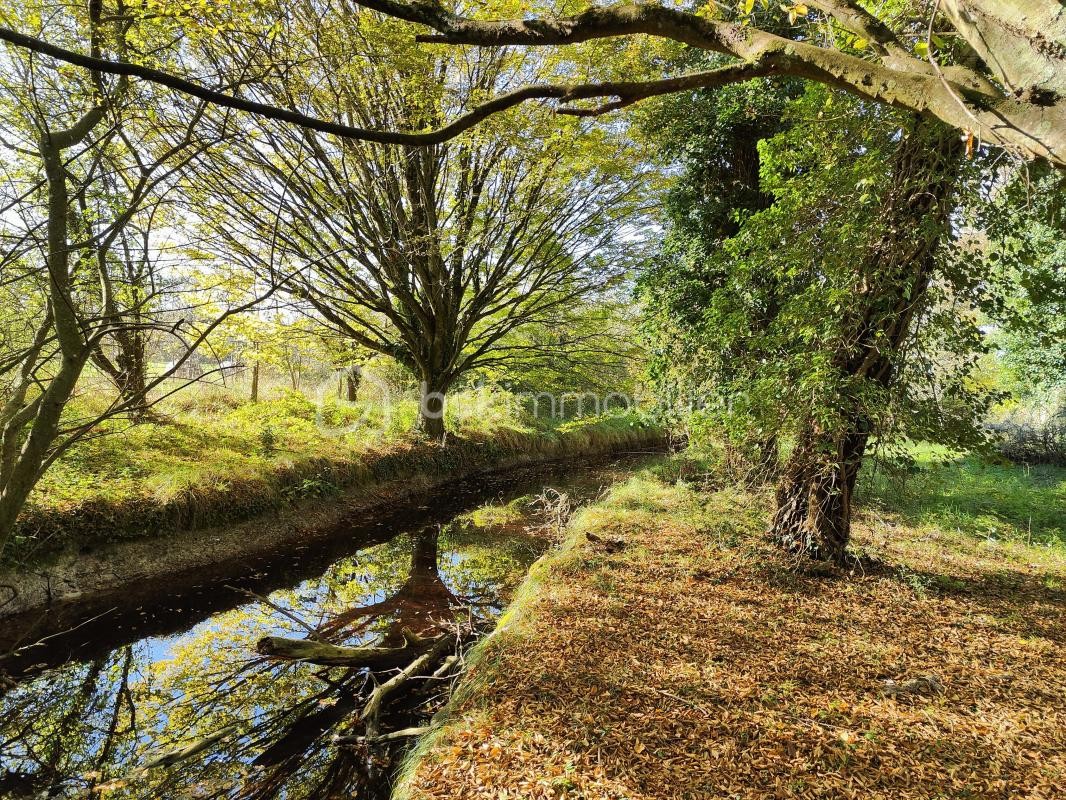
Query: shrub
(1033,442)
(207,400)
(334,413)
(287,405)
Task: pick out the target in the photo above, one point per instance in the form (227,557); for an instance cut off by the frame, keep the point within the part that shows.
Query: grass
(210,458)
(498,515)
(969,495)
(698,661)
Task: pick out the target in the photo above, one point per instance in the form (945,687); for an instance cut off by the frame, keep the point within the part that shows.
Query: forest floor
(668,651)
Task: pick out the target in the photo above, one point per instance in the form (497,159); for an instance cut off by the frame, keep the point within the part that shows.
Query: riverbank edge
(512,625)
(162,551)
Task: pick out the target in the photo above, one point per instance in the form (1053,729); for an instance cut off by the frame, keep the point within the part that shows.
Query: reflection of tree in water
(421,604)
(57,738)
(207,719)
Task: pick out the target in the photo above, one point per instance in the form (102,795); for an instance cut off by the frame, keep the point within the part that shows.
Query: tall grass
(973,496)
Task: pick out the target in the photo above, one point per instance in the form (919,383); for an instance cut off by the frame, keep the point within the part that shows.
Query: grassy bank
(697,661)
(213,461)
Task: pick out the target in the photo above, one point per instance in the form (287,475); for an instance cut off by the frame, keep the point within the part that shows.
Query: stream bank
(165,545)
(178,697)
(669,651)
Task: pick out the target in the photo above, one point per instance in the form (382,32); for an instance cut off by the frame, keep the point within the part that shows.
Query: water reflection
(201,714)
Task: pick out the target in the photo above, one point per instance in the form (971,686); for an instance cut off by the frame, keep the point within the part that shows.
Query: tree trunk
(814,495)
(431,408)
(769,455)
(255,382)
(129,369)
(353,376)
(132,377)
(20,471)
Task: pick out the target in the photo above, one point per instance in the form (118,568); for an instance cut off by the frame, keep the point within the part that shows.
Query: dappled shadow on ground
(693,664)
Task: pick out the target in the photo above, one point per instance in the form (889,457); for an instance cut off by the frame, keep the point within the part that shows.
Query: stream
(161,693)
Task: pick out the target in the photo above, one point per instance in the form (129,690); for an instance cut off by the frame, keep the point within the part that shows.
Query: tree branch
(856,19)
(1034,129)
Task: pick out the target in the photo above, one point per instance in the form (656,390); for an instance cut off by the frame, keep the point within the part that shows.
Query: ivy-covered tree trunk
(814,495)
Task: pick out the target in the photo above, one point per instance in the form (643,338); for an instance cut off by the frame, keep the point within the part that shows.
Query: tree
(431,256)
(837,292)
(893,276)
(715,139)
(995,70)
(1025,229)
(139,286)
(69,136)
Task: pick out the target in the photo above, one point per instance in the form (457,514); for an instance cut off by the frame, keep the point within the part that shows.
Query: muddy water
(159,692)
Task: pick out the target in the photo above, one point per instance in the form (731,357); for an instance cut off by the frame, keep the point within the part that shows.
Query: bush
(1033,442)
(287,405)
(334,413)
(207,400)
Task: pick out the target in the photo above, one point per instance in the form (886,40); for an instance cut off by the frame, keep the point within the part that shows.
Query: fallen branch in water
(446,666)
(372,710)
(171,757)
(405,733)
(332,655)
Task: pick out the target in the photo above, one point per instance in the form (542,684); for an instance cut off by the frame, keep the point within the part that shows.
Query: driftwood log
(418,661)
(187,751)
(423,662)
(405,733)
(332,655)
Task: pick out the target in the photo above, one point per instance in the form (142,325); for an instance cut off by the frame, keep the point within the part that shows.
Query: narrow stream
(160,693)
